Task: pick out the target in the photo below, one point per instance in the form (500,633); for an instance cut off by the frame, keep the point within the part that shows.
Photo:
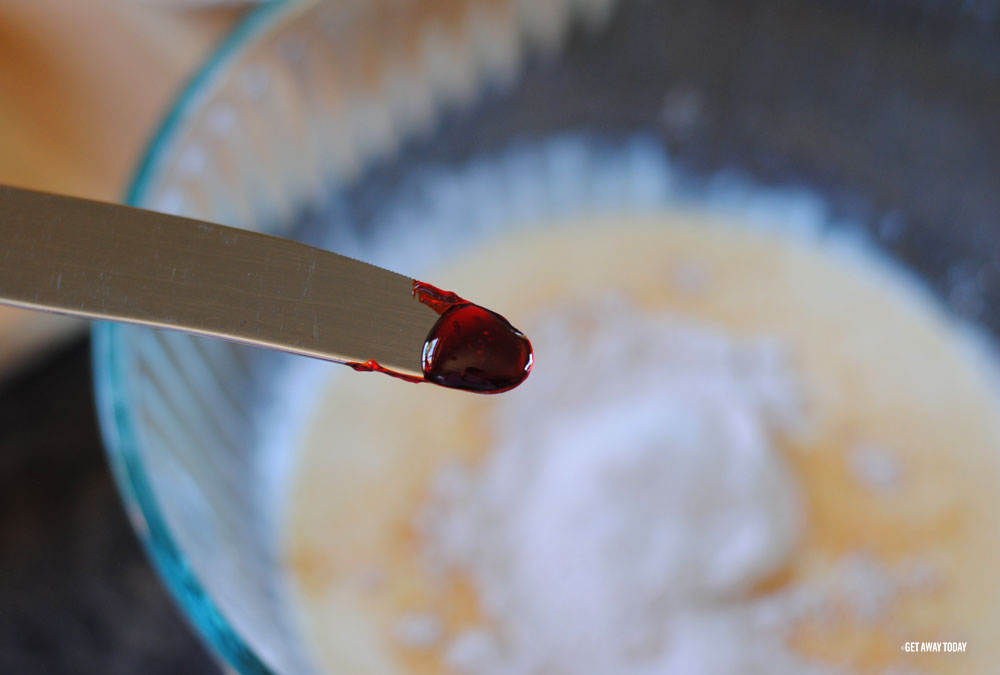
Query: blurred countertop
(84,84)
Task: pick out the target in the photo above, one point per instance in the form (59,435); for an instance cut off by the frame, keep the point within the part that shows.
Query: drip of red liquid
(372,366)
(438,300)
(469,347)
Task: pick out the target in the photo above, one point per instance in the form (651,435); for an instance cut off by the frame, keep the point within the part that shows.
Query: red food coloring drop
(474,349)
(470,347)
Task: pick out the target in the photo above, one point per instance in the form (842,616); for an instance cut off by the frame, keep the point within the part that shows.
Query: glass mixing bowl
(402,133)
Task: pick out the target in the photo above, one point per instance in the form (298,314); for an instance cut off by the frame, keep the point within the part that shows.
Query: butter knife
(105,261)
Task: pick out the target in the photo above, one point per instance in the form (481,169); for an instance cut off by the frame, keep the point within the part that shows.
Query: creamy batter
(872,423)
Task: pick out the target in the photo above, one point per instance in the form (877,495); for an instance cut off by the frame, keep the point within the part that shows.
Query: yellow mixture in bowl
(740,450)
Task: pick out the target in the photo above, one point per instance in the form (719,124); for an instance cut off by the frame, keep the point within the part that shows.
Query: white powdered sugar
(874,467)
(633,496)
(418,631)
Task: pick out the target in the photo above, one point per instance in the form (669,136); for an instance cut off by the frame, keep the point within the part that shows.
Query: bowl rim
(114,412)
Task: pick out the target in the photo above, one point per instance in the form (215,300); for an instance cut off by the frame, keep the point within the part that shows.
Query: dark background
(77,594)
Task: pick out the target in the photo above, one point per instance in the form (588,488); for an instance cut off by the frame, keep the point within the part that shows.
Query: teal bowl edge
(117,423)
